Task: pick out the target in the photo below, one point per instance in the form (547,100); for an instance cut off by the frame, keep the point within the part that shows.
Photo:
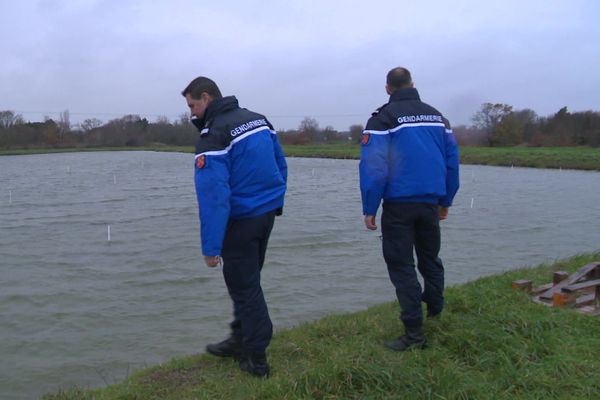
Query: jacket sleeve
(279,156)
(452,167)
(213,192)
(280,160)
(373,167)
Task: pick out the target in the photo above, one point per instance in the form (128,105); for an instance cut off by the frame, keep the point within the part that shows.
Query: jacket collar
(219,106)
(404,94)
(215,108)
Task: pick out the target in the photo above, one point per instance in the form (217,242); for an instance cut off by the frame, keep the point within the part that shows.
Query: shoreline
(577,158)
(491,342)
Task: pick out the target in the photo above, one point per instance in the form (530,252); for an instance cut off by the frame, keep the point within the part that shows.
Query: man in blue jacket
(409,160)
(240,176)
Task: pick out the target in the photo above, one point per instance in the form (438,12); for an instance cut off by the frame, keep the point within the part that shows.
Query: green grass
(323,150)
(585,158)
(490,343)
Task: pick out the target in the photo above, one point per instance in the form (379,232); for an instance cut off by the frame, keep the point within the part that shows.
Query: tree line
(129,130)
(492,125)
(498,125)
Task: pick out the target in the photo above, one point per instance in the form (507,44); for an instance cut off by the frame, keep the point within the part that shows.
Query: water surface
(77,309)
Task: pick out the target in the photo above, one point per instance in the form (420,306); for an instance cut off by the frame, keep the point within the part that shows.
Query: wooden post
(561,299)
(559,276)
(522,284)
(596,272)
(598,297)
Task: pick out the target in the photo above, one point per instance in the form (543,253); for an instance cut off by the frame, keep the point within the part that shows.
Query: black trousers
(243,253)
(407,227)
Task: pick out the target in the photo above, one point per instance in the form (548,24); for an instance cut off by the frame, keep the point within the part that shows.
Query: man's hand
(443,211)
(370,222)
(212,261)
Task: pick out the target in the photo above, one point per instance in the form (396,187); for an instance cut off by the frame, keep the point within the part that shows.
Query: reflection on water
(76,308)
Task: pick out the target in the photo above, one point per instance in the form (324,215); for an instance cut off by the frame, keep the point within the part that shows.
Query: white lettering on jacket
(247,126)
(420,118)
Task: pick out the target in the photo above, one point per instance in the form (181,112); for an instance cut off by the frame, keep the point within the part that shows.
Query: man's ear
(387,90)
(205,97)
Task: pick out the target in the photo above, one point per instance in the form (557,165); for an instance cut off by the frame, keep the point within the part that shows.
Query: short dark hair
(399,78)
(201,85)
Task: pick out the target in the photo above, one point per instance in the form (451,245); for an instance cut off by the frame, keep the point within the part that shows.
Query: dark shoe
(435,316)
(433,313)
(412,339)
(255,365)
(403,343)
(227,348)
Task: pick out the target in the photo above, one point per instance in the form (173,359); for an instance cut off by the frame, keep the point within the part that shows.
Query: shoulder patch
(365,139)
(201,161)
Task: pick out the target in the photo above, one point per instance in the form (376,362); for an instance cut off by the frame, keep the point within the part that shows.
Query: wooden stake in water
(115,178)
(472,201)
(10,197)
(109,233)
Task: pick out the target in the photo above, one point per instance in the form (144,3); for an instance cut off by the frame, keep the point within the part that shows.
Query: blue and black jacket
(408,154)
(240,169)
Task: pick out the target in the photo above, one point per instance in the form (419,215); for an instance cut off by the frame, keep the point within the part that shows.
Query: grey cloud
(296,59)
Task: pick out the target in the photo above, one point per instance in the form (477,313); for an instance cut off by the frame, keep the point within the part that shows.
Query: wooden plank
(574,278)
(582,285)
(541,288)
(536,299)
(586,299)
(588,310)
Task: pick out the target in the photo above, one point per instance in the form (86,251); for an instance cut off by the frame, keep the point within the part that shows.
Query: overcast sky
(291,59)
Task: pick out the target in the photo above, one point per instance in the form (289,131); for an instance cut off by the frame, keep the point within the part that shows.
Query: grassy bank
(491,343)
(323,151)
(22,152)
(585,158)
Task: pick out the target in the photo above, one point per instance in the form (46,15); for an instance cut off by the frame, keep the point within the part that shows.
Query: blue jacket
(408,154)
(240,169)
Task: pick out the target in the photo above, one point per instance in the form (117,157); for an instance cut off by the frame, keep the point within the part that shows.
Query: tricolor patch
(201,161)
(365,138)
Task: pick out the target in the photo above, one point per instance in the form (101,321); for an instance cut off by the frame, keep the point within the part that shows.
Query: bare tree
(162,120)
(356,133)
(308,124)
(90,123)
(64,122)
(184,119)
(489,118)
(330,134)
(9,118)
(309,127)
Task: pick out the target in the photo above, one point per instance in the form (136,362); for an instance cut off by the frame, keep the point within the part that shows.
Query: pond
(79,309)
